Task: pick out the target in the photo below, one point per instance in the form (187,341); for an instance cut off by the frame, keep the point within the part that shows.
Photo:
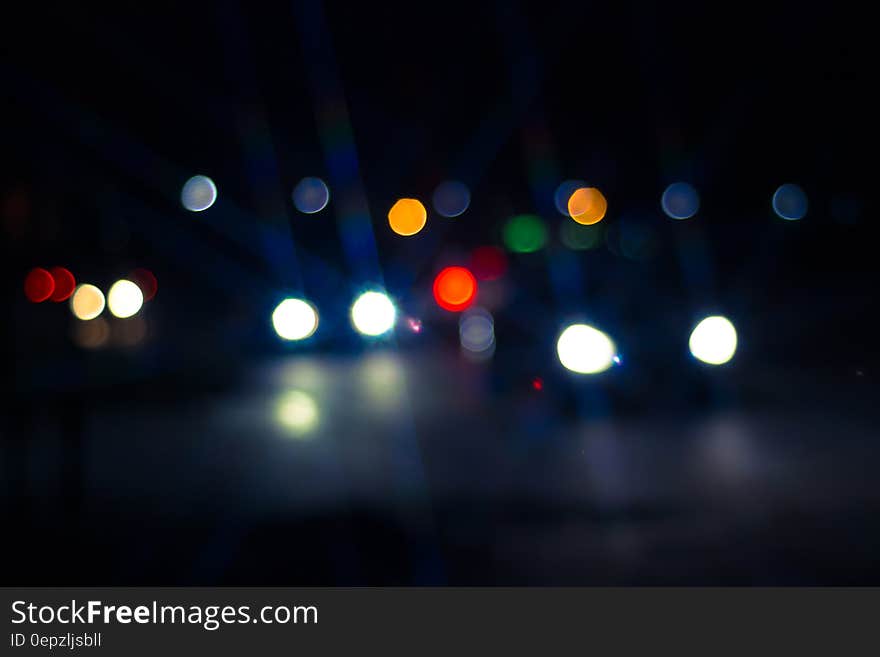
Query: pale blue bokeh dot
(680,201)
(311,195)
(198,193)
(563,193)
(451,198)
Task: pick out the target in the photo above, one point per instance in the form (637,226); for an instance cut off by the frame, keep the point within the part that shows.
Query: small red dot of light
(455,288)
(537,383)
(38,285)
(65,284)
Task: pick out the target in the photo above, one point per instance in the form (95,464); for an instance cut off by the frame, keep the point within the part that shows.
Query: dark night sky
(108,112)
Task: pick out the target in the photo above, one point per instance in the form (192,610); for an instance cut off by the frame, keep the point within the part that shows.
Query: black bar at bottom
(454,621)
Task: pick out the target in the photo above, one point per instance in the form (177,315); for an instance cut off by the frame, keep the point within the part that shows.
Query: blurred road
(426,469)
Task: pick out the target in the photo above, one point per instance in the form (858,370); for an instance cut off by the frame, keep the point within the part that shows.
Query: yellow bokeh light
(87,302)
(407,216)
(587,206)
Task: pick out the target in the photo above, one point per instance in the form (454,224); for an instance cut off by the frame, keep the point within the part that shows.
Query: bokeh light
(38,285)
(198,193)
(587,206)
(373,313)
(294,319)
(563,192)
(680,201)
(451,198)
(585,350)
(297,413)
(129,333)
(488,263)
(145,280)
(633,238)
(476,331)
(713,340)
(124,299)
(382,381)
(579,237)
(524,233)
(91,335)
(407,216)
(87,302)
(455,288)
(790,202)
(65,284)
(311,195)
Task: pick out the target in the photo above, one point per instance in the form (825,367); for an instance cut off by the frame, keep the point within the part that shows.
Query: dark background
(161,463)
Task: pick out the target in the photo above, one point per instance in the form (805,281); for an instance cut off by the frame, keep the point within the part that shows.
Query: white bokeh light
(87,302)
(373,313)
(198,193)
(124,299)
(585,350)
(294,319)
(476,330)
(713,340)
(297,413)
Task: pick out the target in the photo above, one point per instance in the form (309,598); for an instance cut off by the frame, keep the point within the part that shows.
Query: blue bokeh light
(790,202)
(563,193)
(311,195)
(451,198)
(680,201)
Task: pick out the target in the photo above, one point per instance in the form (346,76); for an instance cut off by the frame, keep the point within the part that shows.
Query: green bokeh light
(525,233)
(578,237)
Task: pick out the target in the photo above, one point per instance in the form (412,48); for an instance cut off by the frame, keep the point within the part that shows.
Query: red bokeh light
(489,263)
(455,288)
(38,285)
(145,280)
(65,284)
(537,383)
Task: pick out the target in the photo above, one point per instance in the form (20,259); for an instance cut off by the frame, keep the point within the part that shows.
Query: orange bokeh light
(587,206)
(455,288)
(407,216)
